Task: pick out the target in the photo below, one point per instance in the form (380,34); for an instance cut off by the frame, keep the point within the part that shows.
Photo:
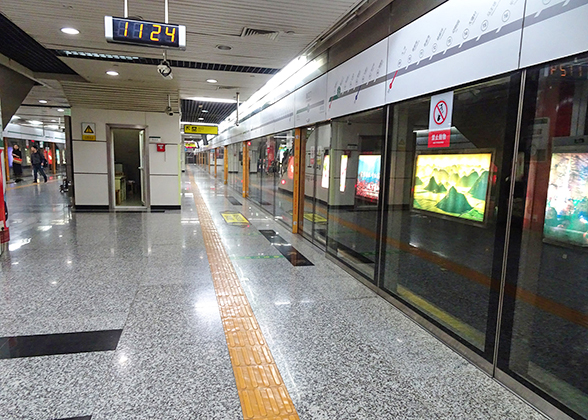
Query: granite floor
(344,352)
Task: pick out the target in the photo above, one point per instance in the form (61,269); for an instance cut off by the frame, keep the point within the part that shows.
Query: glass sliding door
(544,331)
(284,176)
(316,184)
(446,210)
(354,161)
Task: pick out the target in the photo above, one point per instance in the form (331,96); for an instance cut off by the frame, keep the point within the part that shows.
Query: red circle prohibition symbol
(438,115)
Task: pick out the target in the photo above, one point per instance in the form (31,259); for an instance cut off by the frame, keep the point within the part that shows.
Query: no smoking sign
(440,120)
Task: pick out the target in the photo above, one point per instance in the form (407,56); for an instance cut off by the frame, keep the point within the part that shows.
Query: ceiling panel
(208,25)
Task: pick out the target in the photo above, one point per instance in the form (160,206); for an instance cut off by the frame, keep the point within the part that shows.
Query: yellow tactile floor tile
(262,391)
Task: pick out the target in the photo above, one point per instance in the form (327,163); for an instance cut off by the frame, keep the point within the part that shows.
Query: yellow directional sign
(88,131)
(200,129)
(235,219)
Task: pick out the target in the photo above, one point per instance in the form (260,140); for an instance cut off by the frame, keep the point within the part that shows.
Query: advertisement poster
(566,213)
(326,167)
(343,179)
(453,185)
(368,177)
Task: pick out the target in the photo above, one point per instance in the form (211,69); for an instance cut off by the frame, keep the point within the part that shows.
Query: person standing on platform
(17,163)
(37,160)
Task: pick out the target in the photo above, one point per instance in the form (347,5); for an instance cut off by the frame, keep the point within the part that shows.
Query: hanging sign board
(88,131)
(440,119)
(200,129)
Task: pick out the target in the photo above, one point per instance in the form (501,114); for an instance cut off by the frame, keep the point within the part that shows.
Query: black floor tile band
(52,344)
(234,201)
(77,418)
(287,250)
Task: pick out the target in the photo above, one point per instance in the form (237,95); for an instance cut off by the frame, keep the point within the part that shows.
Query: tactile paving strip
(260,386)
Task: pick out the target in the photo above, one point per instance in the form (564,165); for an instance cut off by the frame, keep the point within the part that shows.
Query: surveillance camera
(169,111)
(165,70)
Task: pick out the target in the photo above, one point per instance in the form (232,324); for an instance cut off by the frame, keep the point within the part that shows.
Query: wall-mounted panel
(90,157)
(91,189)
(554,30)
(163,163)
(310,102)
(164,190)
(358,84)
(456,43)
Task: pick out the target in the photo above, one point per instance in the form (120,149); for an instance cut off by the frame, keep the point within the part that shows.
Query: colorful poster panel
(453,184)
(368,177)
(566,214)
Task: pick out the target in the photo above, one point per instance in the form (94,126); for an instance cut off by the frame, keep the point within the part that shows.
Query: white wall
(90,157)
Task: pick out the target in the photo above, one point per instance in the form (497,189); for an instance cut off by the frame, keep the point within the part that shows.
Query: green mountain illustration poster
(453,184)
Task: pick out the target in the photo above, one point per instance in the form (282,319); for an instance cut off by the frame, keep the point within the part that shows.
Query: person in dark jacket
(17,163)
(37,160)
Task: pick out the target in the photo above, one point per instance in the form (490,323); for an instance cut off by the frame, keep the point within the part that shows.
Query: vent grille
(217,112)
(247,32)
(155,61)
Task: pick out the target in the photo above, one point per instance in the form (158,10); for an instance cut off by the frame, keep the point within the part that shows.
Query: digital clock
(140,32)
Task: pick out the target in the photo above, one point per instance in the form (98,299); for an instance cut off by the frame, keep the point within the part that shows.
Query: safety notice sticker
(440,120)
(88,131)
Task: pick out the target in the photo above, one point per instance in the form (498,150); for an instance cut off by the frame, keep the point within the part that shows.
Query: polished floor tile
(343,352)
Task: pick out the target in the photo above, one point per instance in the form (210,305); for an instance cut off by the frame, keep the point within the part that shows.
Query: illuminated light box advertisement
(566,213)
(368,177)
(343,179)
(326,167)
(453,185)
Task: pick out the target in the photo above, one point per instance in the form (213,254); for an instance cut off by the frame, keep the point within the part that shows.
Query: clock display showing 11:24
(145,33)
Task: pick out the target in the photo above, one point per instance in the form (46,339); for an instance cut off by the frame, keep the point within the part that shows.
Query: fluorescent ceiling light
(60,109)
(112,73)
(53,120)
(53,127)
(218,100)
(15,117)
(200,119)
(212,80)
(70,31)
(42,101)
(35,122)
(204,111)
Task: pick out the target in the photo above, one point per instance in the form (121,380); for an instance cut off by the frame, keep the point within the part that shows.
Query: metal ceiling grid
(209,24)
(20,47)
(192,111)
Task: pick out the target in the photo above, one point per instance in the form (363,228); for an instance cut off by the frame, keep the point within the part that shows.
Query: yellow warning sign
(235,218)
(314,218)
(88,131)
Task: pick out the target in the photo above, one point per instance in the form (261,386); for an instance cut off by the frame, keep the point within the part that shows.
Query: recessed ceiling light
(60,110)
(70,31)
(200,119)
(224,47)
(43,101)
(212,80)
(112,73)
(204,110)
